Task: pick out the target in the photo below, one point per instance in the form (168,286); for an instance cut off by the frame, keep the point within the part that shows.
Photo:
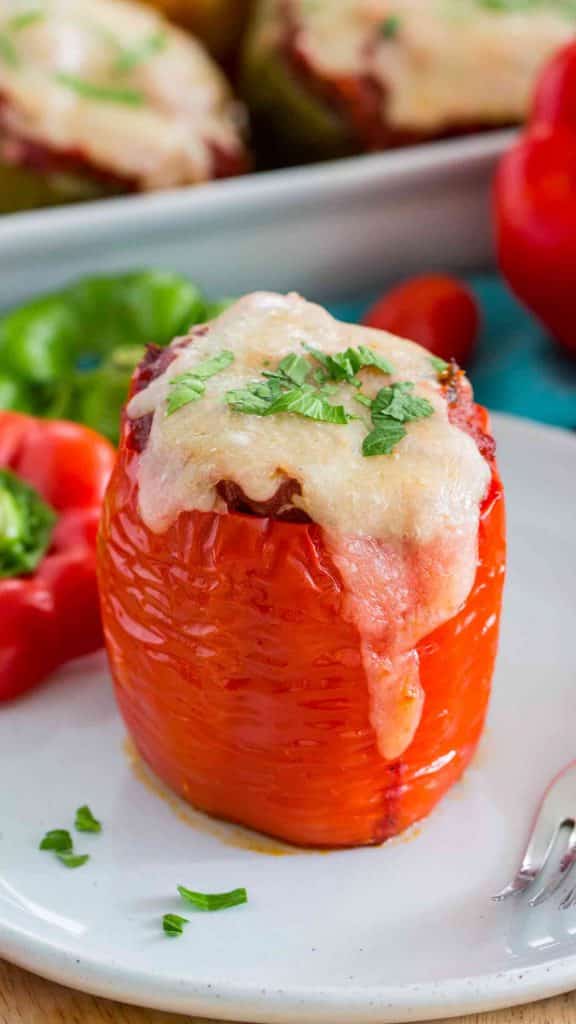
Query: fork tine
(542,839)
(564,868)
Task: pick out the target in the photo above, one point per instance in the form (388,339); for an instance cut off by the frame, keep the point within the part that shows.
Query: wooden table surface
(25,999)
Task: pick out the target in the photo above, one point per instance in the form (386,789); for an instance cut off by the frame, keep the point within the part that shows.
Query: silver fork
(557,811)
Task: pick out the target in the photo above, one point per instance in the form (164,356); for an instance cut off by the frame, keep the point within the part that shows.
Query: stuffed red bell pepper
(52,482)
(301,564)
(353,75)
(104,98)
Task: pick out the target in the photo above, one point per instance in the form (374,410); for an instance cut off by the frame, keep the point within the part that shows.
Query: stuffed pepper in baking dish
(333,76)
(97,98)
(301,566)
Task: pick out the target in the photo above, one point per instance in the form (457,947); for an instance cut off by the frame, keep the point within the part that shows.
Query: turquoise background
(517,368)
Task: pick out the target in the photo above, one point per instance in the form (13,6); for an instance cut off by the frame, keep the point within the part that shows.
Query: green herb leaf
(343,366)
(363,399)
(173,924)
(295,368)
(103,93)
(184,389)
(59,840)
(26,525)
(398,403)
(210,367)
(20,21)
(440,365)
(384,438)
(256,398)
(371,358)
(85,820)
(128,60)
(73,860)
(306,401)
(390,26)
(189,387)
(8,54)
(213,901)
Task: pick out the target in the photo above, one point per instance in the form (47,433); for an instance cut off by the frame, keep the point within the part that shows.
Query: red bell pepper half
(535,204)
(52,480)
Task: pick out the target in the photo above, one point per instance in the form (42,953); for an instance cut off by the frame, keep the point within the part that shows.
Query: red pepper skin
(535,204)
(435,310)
(554,101)
(53,615)
(536,227)
(242,683)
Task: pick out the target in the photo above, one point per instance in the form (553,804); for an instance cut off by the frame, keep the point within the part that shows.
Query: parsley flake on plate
(213,901)
(73,860)
(173,924)
(58,839)
(85,820)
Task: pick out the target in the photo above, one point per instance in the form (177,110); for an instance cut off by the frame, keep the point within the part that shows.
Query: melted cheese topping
(164,140)
(446,62)
(402,529)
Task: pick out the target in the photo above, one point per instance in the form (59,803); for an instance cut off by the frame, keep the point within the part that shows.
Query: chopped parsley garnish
(390,26)
(567,7)
(390,410)
(256,398)
(8,51)
(21,21)
(130,59)
(59,840)
(213,901)
(73,860)
(288,388)
(104,93)
(440,365)
(398,403)
(189,387)
(293,368)
(173,924)
(309,402)
(363,399)
(85,820)
(384,438)
(343,366)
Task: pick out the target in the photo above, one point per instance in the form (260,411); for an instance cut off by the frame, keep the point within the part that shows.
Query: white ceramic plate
(398,933)
(330,230)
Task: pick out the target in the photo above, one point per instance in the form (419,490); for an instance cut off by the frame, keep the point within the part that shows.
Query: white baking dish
(331,230)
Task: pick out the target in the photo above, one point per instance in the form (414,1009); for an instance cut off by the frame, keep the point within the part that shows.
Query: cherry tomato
(435,310)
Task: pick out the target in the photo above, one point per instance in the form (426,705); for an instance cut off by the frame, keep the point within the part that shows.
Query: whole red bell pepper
(52,480)
(535,204)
